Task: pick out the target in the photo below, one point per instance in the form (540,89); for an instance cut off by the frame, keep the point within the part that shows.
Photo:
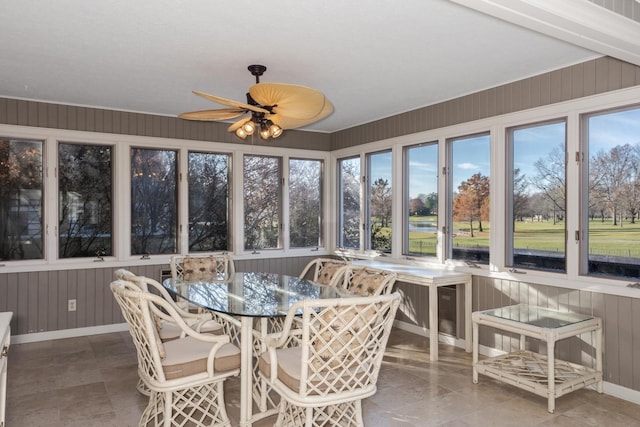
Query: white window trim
(572,111)
(121,204)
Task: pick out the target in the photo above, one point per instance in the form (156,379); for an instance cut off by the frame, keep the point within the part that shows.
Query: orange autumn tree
(472,201)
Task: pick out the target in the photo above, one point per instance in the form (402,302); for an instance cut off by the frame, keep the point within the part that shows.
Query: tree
(472,201)
(304,203)
(381,201)
(20,199)
(261,202)
(349,202)
(616,174)
(416,207)
(153,201)
(381,205)
(520,196)
(431,203)
(85,187)
(208,202)
(550,179)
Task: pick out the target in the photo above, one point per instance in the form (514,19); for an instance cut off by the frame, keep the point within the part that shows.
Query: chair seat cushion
(171,331)
(289,369)
(289,364)
(188,356)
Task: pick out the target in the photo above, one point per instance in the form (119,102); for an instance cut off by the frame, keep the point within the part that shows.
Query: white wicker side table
(543,375)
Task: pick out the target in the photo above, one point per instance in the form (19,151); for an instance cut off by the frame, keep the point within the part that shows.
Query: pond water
(423,226)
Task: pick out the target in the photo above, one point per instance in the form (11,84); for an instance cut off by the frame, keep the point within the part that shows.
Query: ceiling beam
(578,22)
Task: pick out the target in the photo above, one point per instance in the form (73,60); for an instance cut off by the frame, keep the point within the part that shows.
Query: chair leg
(154,412)
(168,413)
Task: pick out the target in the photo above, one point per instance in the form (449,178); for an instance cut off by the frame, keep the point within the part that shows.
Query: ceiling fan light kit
(270,108)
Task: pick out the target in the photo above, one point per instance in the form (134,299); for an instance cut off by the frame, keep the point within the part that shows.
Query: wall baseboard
(68,333)
(610,389)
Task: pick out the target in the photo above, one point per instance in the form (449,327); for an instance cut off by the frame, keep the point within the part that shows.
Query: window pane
(421,199)
(470,189)
(349,203)
(614,193)
(208,202)
(153,201)
(85,201)
(538,196)
(20,199)
(379,201)
(262,178)
(305,196)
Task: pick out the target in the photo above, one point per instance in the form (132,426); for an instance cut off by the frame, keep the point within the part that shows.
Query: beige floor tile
(91,381)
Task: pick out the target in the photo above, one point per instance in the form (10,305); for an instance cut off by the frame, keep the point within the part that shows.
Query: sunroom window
(611,184)
(537,196)
(262,202)
(379,201)
(208,202)
(85,200)
(21,196)
(470,198)
(305,203)
(349,203)
(421,199)
(153,201)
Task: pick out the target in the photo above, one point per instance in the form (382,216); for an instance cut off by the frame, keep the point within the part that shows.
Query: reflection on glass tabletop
(252,294)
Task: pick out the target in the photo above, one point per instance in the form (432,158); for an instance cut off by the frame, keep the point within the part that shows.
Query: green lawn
(604,238)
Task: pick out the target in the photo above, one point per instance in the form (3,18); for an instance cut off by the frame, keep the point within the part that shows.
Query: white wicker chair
(322,270)
(364,281)
(204,322)
(202,267)
(342,341)
(185,375)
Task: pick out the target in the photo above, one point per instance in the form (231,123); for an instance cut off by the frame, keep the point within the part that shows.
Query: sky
(471,154)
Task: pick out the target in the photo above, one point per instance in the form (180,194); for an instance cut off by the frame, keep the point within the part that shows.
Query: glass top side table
(541,374)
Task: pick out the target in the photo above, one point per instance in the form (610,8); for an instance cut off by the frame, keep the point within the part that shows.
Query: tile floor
(90,381)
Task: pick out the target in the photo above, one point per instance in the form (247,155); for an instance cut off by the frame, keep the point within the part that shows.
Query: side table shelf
(540,374)
(529,371)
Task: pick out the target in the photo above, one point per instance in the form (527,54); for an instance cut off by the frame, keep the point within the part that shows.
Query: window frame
(582,160)
(448,243)
(321,189)
(509,169)
(366,194)
(121,146)
(496,127)
(111,147)
(406,200)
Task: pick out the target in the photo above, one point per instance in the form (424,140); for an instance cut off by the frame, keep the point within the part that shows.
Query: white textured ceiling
(371,58)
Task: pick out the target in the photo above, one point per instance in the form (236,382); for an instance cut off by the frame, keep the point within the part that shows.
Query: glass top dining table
(250,296)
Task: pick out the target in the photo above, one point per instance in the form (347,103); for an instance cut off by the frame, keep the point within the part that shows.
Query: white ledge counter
(432,278)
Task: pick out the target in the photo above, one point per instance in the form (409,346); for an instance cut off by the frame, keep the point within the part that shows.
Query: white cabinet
(5,337)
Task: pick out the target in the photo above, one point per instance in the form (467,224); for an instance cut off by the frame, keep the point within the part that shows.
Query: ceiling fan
(270,108)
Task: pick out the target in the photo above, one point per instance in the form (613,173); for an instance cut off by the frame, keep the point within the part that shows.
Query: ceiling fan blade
(291,123)
(213,115)
(234,127)
(231,103)
(297,102)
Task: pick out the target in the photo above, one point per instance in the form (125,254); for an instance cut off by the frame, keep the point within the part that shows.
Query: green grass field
(604,237)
